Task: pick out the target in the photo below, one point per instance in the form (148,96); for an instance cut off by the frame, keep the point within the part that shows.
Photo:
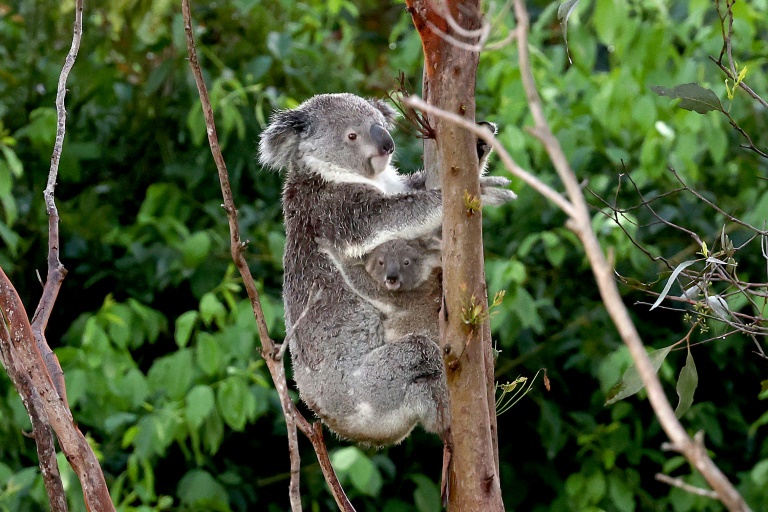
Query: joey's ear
(279,139)
(432,244)
(390,114)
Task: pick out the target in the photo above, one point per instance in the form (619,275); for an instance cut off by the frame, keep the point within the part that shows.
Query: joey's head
(402,265)
(336,130)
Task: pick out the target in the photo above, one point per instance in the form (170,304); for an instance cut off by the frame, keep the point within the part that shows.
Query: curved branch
(581,224)
(17,334)
(484,133)
(269,351)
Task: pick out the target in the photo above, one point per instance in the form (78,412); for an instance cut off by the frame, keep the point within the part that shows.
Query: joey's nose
(382,139)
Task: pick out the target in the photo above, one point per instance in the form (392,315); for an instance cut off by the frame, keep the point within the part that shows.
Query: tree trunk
(449,83)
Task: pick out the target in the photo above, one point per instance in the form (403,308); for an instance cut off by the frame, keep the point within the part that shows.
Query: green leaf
(200,401)
(185,323)
(172,374)
(276,242)
(279,43)
(119,318)
(201,491)
(211,309)
(208,352)
(343,458)
(235,402)
(152,321)
(213,433)
(361,471)
(686,385)
(366,477)
(133,386)
(630,382)
(621,493)
(759,474)
(195,249)
(426,497)
(693,97)
(14,164)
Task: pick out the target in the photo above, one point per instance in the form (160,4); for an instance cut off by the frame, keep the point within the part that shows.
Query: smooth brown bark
(449,83)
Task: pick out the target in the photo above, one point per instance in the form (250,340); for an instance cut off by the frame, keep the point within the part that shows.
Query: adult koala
(339,186)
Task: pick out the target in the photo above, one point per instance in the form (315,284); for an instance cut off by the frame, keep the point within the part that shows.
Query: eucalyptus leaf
(686,385)
(671,280)
(631,382)
(693,97)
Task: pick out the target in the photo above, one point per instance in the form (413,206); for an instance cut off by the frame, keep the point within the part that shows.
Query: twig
(275,365)
(719,210)
(56,270)
(744,86)
(677,482)
(727,48)
(483,132)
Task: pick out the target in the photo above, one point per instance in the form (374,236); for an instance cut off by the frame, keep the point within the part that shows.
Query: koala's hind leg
(398,385)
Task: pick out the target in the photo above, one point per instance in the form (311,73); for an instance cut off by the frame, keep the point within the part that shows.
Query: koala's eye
(352,136)
(381,261)
(406,262)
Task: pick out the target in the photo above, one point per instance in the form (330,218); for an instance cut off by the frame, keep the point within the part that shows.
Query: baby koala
(400,278)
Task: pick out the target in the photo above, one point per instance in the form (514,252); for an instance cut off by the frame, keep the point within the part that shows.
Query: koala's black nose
(393,272)
(382,139)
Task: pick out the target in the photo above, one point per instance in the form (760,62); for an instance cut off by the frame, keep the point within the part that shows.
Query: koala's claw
(497,196)
(492,191)
(494,181)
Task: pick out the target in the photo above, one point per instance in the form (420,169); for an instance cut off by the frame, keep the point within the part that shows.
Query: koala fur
(402,279)
(339,186)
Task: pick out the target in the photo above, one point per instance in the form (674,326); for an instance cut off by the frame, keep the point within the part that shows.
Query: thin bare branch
(677,482)
(483,132)
(268,350)
(56,271)
(719,210)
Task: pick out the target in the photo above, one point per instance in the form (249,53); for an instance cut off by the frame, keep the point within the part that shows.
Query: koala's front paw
(492,193)
(493,181)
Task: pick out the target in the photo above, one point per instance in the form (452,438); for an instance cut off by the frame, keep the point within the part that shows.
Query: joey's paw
(492,196)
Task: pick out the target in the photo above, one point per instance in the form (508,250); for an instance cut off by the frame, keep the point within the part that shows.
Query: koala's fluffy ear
(390,114)
(279,140)
(432,244)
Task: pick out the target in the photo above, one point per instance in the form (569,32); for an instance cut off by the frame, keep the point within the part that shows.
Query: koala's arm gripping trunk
(363,222)
(449,84)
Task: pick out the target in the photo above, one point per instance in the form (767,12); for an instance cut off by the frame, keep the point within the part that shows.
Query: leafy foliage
(152,327)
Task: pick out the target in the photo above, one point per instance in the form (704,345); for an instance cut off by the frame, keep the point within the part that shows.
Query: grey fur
(402,279)
(342,189)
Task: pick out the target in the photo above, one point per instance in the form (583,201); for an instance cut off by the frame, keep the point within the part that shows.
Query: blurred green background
(152,327)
